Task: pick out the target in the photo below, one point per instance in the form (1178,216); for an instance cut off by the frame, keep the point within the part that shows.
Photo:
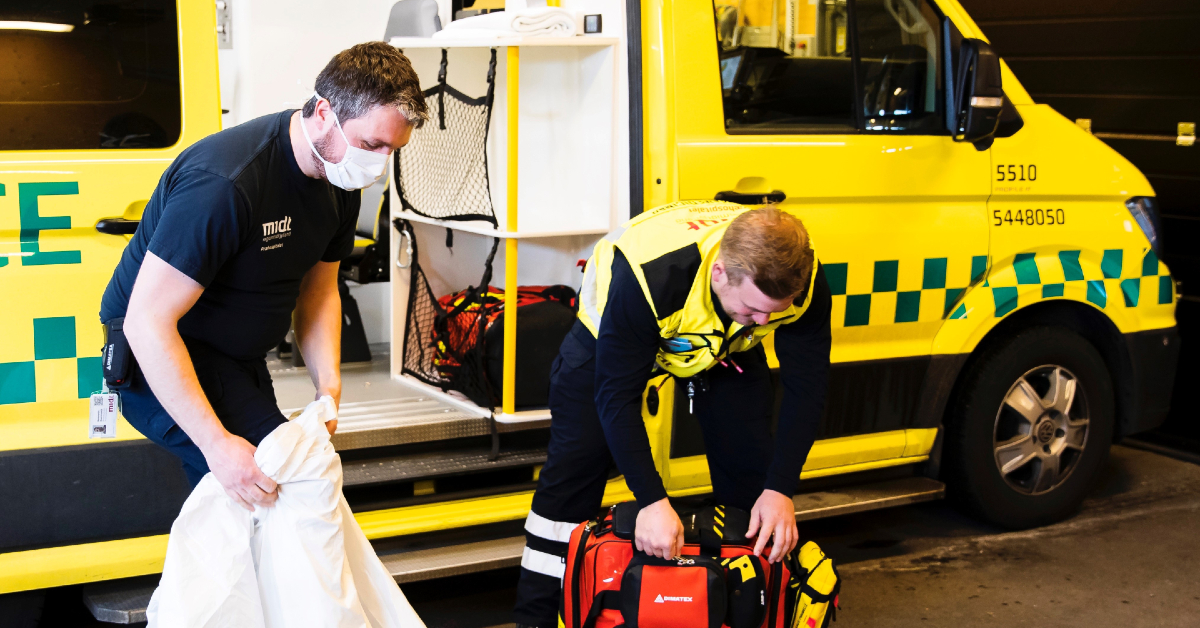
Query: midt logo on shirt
(276,230)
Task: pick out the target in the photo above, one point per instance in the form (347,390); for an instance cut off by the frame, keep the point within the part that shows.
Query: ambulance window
(899,44)
(778,79)
(82,74)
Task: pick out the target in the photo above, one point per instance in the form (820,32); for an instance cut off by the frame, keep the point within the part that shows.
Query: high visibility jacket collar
(671,251)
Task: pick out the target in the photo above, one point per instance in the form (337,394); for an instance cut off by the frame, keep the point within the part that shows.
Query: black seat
(368,262)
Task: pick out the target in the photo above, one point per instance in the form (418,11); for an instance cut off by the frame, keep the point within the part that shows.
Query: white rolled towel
(546,21)
(535,22)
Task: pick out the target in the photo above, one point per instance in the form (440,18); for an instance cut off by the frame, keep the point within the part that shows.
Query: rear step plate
(454,560)
(120,601)
(436,464)
(863,497)
(124,601)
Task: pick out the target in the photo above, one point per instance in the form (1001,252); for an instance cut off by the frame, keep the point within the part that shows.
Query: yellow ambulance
(1000,313)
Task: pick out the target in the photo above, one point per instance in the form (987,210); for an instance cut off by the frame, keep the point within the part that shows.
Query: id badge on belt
(104,407)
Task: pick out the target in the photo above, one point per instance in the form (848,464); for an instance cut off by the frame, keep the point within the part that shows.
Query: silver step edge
(861,498)
(389,422)
(109,602)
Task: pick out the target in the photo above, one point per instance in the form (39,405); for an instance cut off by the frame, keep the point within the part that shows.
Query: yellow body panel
(1085,184)
(78,564)
(891,199)
(52,330)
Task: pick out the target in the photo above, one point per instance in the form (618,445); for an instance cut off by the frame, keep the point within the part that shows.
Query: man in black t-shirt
(245,227)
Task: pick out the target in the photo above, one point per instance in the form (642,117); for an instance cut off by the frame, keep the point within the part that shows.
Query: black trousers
(239,391)
(734,414)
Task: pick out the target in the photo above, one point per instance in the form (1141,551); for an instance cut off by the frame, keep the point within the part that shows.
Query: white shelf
(567,116)
(464,405)
(469,407)
(566,135)
(523,42)
(486,229)
(524,416)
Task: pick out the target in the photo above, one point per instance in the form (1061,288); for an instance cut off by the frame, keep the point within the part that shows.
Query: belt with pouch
(118,357)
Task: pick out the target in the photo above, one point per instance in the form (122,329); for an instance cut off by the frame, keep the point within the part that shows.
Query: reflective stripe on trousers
(546,544)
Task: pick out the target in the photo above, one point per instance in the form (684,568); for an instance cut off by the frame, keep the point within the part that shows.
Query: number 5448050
(1029,217)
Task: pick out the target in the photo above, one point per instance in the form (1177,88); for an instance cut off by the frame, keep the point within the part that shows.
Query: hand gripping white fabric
(302,562)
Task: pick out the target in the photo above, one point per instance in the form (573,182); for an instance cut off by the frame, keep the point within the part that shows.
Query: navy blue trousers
(240,393)
(734,414)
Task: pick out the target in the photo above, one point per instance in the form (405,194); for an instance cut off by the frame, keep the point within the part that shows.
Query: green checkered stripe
(53,339)
(1139,283)
(934,298)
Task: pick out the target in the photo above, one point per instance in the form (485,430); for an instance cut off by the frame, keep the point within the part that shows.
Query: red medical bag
(608,583)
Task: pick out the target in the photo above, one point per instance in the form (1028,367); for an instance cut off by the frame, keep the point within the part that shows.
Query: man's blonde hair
(773,248)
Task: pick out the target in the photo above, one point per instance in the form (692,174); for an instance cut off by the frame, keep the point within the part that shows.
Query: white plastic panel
(567,130)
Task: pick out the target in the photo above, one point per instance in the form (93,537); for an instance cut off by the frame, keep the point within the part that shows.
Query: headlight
(1145,211)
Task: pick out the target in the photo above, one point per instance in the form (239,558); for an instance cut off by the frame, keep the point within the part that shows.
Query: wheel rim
(1041,429)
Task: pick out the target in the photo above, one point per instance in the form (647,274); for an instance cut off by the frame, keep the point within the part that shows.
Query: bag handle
(605,600)
(718,523)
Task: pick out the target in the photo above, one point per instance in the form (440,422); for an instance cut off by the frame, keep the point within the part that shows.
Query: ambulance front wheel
(1029,428)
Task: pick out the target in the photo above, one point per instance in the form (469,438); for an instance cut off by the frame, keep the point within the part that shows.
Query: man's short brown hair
(366,76)
(772,247)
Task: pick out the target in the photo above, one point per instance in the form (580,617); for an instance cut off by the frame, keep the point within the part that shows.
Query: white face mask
(358,168)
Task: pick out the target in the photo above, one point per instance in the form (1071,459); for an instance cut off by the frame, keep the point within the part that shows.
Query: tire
(21,610)
(1022,450)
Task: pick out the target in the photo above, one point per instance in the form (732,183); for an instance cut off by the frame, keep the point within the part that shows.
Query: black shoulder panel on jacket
(670,278)
(820,285)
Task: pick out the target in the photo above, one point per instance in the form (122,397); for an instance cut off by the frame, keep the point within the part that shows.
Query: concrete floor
(1131,557)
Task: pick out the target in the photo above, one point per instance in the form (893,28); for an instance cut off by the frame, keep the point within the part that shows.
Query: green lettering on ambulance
(32,223)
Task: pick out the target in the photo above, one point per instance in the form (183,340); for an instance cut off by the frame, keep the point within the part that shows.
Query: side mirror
(978,95)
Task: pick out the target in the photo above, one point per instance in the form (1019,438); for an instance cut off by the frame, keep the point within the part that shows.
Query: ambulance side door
(95,110)
(843,122)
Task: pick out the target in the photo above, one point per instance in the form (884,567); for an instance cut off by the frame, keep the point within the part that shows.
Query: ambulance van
(1000,312)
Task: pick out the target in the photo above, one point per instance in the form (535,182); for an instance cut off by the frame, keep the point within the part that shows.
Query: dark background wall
(1131,66)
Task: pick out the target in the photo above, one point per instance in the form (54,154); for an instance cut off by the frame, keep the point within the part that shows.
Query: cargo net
(443,340)
(443,171)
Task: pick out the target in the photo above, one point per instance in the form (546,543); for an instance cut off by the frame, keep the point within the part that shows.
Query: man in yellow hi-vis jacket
(690,288)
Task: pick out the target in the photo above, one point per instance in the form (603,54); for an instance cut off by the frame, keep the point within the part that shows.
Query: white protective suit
(302,562)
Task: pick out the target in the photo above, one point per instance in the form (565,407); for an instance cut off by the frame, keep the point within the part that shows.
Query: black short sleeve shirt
(235,213)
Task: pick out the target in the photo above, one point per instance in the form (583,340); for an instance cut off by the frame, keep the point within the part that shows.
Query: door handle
(117,226)
(776,196)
